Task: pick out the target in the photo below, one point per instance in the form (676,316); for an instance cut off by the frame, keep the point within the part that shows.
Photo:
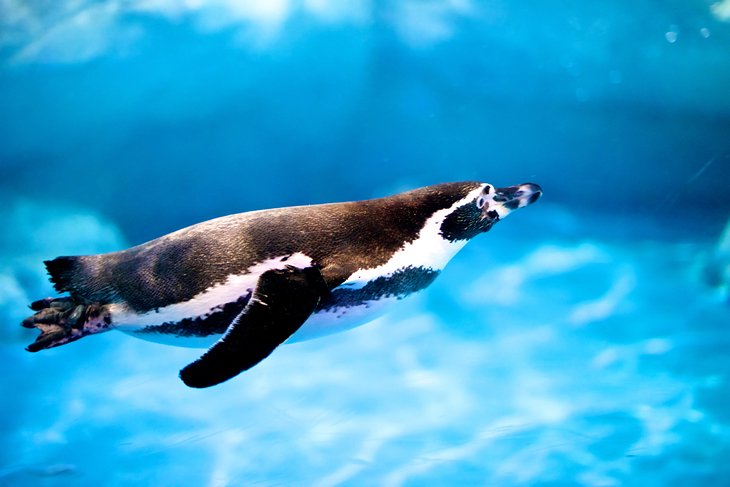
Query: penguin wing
(281,302)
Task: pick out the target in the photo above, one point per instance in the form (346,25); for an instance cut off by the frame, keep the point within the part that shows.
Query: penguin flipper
(281,302)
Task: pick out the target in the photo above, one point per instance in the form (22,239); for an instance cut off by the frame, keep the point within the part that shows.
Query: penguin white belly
(320,324)
(327,322)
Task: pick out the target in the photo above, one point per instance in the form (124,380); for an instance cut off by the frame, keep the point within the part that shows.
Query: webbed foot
(62,320)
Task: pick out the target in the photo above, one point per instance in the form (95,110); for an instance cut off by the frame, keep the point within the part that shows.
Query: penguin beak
(508,199)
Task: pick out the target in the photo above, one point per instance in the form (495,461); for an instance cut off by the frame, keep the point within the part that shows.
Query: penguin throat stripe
(429,250)
(203,304)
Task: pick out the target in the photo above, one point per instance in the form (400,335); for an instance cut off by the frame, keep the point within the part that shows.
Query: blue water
(583,341)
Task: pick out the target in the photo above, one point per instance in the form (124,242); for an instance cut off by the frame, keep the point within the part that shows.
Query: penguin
(243,284)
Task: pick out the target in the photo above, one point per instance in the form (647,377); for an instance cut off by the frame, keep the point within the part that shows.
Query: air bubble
(671,37)
(705,32)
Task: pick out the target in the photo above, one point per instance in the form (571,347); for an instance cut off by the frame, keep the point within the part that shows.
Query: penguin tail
(63,271)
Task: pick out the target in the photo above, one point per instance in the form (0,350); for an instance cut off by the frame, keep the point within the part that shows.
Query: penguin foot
(62,320)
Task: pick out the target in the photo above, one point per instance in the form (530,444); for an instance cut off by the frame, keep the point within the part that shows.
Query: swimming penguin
(248,282)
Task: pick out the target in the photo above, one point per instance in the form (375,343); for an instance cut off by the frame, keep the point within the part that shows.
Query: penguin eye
(481,202)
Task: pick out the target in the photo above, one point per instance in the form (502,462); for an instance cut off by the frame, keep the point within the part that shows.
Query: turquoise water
(580,342)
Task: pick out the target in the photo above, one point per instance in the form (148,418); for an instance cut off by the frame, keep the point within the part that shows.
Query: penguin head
(489,206)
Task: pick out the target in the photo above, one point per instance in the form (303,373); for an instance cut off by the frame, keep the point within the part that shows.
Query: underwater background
(583,341)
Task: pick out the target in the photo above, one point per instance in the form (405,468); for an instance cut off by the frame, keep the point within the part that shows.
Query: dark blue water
(583,341)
